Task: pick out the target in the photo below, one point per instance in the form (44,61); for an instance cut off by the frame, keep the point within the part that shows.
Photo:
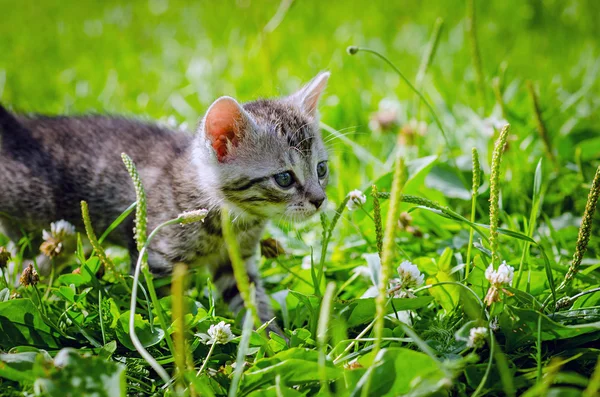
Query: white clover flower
(193,216)
(410,276)
(59,230)
(498,280)
(503,276)
(356,199)
(53,240)
(477,337)
(217,334)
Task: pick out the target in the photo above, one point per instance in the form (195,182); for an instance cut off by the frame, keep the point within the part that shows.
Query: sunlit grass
(169,60)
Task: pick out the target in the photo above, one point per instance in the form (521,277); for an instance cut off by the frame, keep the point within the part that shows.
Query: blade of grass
(535,211)
(238,265)
(322,328)
(241,354)
(475,53)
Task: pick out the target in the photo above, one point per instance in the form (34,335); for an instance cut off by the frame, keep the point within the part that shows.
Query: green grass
(162,60)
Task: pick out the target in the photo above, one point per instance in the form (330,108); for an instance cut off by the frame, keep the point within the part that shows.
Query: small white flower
(356,199)
(193,216)
(503,276)
(410,276)
(217,334)
(498,280)
(477,337)
(53,240)
(59,230)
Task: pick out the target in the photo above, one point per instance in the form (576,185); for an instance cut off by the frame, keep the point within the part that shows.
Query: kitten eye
(322,169)
(284,179)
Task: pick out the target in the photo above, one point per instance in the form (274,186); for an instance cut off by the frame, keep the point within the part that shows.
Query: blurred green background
(162,59)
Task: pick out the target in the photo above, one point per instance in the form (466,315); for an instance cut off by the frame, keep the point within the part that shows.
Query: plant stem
(353,50)
(136,276)
(210,352)
(487,371)
(387,258)
(238,265)
(540,125)
(177,312)
(89,230)
(428,56)
(327,233)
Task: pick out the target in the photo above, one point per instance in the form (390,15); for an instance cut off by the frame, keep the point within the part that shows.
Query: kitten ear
(307,98)
(225,122)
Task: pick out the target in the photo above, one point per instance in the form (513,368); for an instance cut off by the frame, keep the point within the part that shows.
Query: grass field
(532,64)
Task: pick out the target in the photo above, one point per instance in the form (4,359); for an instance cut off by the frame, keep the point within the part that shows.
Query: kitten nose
(317,201)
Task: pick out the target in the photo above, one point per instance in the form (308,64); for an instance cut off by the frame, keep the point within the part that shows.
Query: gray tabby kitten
(263,159)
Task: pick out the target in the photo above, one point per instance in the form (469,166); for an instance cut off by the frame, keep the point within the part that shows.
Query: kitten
(264,159)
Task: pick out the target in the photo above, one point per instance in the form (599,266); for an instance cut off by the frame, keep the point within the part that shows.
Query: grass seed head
(29,276)
(585,230)
(5,257)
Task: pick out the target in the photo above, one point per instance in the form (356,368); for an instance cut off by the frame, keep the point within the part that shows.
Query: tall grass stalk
(340,357)
(475,54)
(387,258)
(536,201)
(238,265)
(181,219)
(495,194)
(585,231)
(439,209)
(377,219)
(241,354)
(143,241)
(486,374)
(104,259)
(497,87)
(133,335)
(541,125)
(327,233)
(474,189)
(177,291)
(322,328)
(140,231)
(428,56)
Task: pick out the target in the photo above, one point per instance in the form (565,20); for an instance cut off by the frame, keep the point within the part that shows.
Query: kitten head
(267,157)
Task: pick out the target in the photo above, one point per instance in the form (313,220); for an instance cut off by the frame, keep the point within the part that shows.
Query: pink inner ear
(223,125)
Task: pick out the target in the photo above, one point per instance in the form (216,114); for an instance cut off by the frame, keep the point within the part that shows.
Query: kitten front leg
(224,280)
